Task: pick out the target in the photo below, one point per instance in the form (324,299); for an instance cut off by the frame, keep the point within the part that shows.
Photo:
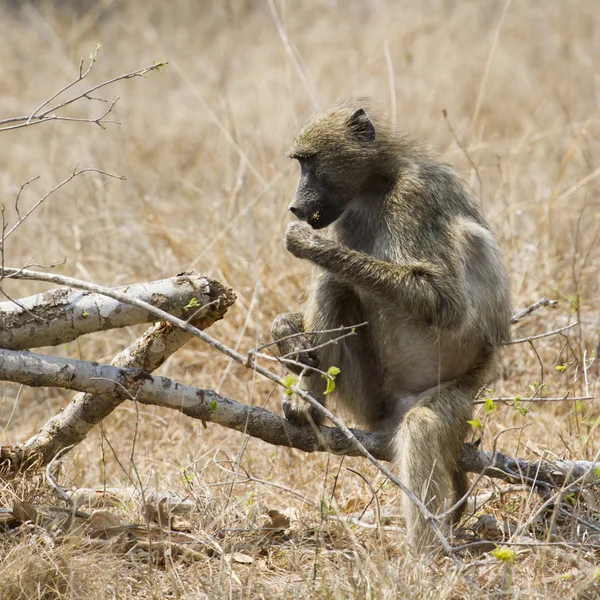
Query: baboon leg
(296,348)
(333,305)
(428,442)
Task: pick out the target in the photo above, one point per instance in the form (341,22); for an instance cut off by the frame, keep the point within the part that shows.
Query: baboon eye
(303,158)
(307,161)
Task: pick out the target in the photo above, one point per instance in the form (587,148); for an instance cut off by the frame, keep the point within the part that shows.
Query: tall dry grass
(202,146)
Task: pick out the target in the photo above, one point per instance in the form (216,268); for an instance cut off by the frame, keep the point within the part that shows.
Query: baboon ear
(360,126)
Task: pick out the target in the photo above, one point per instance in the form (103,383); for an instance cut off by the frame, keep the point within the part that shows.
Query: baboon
(407,250)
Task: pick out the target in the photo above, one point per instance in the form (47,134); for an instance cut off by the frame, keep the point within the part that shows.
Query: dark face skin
(330,180)
(315,201)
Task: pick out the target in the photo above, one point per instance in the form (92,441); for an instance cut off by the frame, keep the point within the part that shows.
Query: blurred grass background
(203,148)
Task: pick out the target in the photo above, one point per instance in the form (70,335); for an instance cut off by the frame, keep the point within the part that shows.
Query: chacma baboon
(407,250)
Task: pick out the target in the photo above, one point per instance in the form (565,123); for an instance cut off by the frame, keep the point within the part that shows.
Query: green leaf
(560,368)
(330,386)
(504,554)
(213,405)
(85,314)
(597,472)
(193,303)
(476,422)
(490,406)
(158,65)
(330,376)
(288,381)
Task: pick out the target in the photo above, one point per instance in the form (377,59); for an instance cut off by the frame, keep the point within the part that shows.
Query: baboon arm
(424,289)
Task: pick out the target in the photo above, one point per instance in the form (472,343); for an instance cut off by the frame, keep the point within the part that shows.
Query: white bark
(62,315)
(147,353)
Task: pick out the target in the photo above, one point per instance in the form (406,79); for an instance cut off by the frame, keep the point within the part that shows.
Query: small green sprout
(330,376)
(517,406)
(193,303)
(288,381)
(504,554)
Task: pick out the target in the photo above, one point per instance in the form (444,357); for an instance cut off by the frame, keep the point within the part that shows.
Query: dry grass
(202,146)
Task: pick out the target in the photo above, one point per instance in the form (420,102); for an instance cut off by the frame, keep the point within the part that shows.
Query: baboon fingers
(299,412)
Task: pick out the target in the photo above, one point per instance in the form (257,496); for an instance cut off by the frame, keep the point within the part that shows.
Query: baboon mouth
(317,223)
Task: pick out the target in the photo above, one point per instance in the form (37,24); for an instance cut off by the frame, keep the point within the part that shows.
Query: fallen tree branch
(62,315)
(36,370)
(248,362)
(128,383)
(147,353)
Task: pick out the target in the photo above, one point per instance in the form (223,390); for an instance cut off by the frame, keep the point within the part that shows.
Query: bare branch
(537,399)
(527,311)
(72,176)
(49,114)
(541,335)
(126,383)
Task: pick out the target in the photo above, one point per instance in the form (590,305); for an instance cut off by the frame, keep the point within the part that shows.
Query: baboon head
(339,154)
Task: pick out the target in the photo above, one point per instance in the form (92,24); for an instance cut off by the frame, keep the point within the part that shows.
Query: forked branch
(136,385)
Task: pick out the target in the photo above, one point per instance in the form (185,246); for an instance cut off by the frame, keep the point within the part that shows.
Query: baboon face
(334,152)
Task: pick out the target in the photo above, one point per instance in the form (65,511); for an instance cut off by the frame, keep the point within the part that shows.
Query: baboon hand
(301,240)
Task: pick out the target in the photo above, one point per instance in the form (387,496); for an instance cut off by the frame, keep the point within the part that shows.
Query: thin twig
(527,311)
(541,335)
(37,117)
(535,399)
(74,174)
(50,479)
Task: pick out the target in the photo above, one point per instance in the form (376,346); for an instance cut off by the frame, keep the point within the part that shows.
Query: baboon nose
(294,211)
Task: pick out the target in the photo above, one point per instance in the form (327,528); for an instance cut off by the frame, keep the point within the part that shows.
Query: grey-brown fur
(406,249)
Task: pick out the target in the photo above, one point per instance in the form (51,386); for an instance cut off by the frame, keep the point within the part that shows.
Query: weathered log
(147,353)
(62,315)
